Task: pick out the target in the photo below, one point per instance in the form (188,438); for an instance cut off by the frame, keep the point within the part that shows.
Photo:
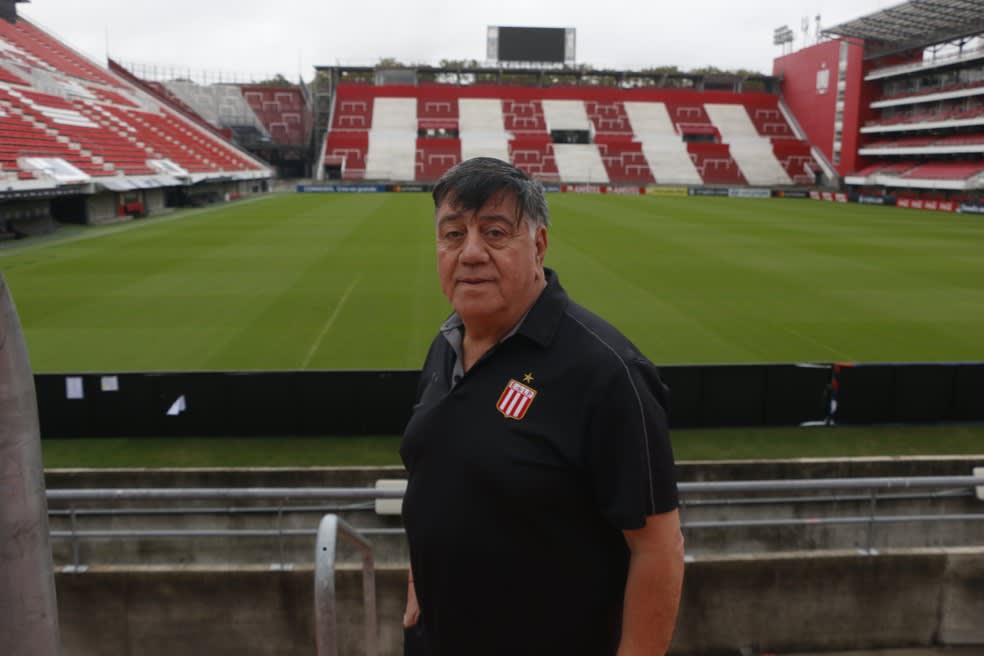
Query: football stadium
(217,295)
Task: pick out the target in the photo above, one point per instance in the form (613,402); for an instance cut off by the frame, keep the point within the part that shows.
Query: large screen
(553,45)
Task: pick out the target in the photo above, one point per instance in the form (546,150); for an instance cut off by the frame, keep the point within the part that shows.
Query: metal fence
(871,491)
(692,495)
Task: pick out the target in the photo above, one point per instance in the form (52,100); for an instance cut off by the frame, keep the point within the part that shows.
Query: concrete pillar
(28,614)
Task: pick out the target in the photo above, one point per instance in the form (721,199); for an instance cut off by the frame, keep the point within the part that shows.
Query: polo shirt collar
(541,322)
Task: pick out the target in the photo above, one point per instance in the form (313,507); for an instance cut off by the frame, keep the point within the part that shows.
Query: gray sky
(288,36)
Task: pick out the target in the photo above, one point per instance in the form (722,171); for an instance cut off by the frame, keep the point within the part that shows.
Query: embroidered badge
(515,400)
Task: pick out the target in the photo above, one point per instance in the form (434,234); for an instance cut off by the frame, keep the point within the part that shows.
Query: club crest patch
(515,400)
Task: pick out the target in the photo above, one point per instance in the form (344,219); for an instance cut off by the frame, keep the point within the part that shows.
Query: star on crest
(528,378)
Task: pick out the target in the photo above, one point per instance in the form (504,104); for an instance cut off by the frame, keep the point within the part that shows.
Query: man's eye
(453,234)
(495,233)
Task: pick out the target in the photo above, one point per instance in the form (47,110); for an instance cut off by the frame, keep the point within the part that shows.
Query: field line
(328,324)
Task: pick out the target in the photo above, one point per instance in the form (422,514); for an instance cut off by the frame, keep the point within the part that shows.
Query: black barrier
(747,395)
(379,402)
(910,393)
(225,404)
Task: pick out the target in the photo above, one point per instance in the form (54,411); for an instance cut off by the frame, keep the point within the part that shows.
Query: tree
(277,80)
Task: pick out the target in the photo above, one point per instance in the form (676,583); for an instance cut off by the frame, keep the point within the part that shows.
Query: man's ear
(541,244)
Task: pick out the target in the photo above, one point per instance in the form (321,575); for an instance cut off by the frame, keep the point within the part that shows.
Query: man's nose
(473,250)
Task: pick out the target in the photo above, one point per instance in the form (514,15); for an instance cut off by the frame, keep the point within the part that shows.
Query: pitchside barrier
(586,188)
(202,404)
(967,207)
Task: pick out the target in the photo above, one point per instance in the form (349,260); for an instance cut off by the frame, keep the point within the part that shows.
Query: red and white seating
(635,136)
(96,122)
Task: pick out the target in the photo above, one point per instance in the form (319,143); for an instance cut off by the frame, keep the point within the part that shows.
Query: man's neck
(480,336)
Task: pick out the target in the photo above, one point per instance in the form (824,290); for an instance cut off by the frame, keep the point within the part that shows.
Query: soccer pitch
(348,281)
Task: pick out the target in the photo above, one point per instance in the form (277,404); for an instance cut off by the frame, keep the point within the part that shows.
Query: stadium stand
(566,134)
(752,153)
(72,130)
(907,119)
(482,124)
(392,140)
(38,49)
(282,111)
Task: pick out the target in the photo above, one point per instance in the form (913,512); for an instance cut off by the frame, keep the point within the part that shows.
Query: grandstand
(895,100)
(103,147)
(563,134)
(272,120)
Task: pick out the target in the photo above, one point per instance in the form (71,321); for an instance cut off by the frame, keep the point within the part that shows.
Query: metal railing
(331,526)
(325,605)
(874,492)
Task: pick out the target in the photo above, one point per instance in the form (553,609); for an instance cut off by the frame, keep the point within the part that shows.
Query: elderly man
(541,508)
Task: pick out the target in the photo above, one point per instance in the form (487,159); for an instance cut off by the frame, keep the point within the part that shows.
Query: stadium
(225,290)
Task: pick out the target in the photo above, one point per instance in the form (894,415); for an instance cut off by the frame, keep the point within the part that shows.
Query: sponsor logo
(516,399)
(653,190)
(871,200)
(840,198)
(971,208)
(823,79)
(626,190)
(342,189)
(583,189)
(749,193)
(815,195)
(792,193)
(708,191)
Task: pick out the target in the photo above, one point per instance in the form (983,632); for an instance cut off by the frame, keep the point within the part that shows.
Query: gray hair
(472,183)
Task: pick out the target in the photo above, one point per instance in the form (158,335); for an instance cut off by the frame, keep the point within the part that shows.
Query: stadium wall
(813,602)
(812,101)
(379,402)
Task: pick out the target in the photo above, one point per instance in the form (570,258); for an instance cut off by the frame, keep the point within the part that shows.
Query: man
(541,508)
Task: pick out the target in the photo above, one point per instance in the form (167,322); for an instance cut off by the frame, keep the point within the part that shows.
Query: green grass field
(367,451)
(348,281)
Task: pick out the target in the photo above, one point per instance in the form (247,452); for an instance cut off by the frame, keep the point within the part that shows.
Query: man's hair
(472,183)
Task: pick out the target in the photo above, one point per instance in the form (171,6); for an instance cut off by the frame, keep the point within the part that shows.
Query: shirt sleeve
(628,451)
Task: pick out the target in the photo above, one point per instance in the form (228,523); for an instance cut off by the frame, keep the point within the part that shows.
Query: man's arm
(652,591)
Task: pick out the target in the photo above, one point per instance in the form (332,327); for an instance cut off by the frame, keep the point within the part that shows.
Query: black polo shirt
(522,476)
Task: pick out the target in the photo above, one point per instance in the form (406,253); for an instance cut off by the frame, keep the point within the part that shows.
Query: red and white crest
(515,400)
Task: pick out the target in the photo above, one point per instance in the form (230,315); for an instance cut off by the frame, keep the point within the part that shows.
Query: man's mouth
(473,281)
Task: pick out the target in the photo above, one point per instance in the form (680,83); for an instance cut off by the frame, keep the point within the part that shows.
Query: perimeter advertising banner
(653,190)
(935,205)
(707,191)
(742,192)
(625,190)
(343,188)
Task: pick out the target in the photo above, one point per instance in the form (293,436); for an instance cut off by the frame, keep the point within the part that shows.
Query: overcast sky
(291,36)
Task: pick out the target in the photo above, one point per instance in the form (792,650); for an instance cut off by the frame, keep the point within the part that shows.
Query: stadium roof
(914,24)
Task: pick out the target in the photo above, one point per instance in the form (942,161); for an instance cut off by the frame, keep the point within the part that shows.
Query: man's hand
(412,614)
(652,591)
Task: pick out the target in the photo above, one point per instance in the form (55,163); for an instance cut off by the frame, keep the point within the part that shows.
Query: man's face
(490,266)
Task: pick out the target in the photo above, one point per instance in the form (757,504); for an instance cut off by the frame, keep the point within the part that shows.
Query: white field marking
(328,324)
(840,355)
(18,249)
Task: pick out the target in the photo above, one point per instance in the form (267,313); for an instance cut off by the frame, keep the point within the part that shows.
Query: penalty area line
(328,324)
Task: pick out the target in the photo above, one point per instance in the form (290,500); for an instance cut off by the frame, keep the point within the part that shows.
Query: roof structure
(914,24)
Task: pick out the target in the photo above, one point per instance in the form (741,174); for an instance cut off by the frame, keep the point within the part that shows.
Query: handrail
(325,606)
(874,483)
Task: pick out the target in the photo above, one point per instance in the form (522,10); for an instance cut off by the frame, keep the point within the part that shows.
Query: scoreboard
(540,45)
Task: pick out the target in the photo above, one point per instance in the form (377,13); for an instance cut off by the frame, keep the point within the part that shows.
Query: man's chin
(476,307)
